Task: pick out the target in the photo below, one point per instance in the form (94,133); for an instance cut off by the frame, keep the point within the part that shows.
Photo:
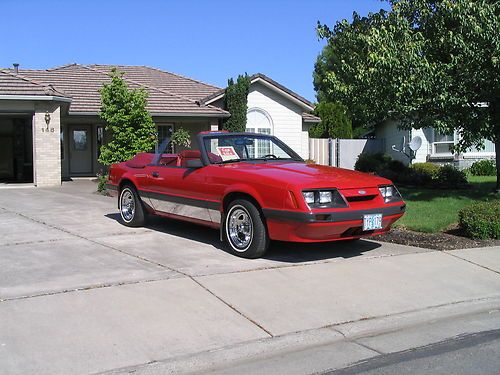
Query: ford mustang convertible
(254,188)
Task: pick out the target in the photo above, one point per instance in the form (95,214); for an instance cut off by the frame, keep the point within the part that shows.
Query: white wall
(390,135)
(285,115)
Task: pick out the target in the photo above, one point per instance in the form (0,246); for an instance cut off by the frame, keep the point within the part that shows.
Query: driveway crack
(232,307)
(471,262)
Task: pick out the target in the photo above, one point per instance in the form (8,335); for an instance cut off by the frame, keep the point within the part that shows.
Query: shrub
(429,169)
(371,162)
(450,177)
(483,168)
(396,166)
(481,220)
(102,179)
(181,137)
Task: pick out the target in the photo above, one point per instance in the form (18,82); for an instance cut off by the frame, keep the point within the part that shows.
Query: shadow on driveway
(290,252)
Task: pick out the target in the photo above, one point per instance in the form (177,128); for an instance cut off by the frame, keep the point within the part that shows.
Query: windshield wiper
(230,161)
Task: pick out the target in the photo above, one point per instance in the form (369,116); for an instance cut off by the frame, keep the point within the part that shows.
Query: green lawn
(434,210)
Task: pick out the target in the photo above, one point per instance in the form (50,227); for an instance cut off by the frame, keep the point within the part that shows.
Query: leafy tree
(335,123)
(235,102)
(129,123)
(427,63)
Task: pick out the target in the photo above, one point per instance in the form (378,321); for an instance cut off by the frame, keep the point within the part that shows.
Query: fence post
(330,156)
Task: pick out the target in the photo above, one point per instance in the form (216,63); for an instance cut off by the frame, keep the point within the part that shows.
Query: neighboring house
(435,146)
(50,128)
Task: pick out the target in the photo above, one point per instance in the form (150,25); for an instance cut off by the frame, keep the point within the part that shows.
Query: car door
(181,191)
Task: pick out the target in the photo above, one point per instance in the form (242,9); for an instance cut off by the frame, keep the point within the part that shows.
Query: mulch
(449,240)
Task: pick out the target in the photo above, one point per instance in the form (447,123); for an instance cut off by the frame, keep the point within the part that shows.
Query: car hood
(310,175)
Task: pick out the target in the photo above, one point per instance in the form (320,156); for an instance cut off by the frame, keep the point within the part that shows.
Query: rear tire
(245,230)
(131,209)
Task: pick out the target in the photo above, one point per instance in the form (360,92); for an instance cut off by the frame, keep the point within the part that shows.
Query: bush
(371,162)
(181,137)
(428,169)
(483,168)
(102,179)
(481,220)
(450,177)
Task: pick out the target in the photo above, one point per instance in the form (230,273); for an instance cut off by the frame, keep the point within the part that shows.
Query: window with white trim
(442,143)
(259,121)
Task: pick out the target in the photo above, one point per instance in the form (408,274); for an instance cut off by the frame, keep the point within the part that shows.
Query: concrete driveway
(80,293)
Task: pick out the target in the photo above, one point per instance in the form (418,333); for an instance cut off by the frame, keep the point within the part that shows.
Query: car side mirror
(194,163)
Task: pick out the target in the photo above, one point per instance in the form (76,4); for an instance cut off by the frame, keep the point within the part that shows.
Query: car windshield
(233,148)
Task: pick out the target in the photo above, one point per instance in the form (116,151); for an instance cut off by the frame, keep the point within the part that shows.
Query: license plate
(372,221)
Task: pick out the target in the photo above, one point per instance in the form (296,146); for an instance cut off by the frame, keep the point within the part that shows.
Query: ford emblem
(362,192)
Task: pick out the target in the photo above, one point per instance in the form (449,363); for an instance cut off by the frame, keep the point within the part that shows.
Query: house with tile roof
(50,127)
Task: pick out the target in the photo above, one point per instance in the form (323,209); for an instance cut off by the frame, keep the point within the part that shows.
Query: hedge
(481,220)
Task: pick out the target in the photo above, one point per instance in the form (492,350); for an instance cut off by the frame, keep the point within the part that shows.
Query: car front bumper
(320,226)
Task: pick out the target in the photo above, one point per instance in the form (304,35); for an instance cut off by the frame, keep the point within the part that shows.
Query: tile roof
(308,117)
(16,84)
(83,82)
(174,83)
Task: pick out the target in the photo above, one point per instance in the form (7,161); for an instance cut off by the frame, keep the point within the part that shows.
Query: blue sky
(207,40)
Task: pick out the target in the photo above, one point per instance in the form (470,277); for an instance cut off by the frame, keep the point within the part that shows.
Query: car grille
(360,198)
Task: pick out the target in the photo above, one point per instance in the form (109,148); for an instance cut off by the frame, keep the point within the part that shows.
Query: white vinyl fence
(341,153)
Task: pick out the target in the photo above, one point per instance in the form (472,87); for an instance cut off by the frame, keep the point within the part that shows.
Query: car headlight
(390,193)
(324,198)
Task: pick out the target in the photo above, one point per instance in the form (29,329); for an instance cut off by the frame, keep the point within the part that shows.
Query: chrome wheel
(127,205)
(239,228)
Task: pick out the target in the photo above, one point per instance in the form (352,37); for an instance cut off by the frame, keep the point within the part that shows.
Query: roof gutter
(36,97)
(160,114)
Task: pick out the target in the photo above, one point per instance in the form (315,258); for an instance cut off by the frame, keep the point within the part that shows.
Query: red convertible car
(254,188)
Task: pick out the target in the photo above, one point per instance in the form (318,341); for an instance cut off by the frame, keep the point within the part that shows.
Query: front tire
(245,230)
(131,208)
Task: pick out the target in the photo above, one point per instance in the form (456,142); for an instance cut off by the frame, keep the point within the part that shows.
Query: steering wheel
(272,156)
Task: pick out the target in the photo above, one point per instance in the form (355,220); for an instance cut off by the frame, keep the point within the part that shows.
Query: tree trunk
(496,129)
(497,153)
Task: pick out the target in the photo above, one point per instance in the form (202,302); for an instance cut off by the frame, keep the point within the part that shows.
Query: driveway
(81,293)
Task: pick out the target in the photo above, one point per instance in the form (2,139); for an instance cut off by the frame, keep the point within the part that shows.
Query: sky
(206,40)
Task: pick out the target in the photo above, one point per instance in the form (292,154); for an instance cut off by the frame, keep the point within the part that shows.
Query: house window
(61,141)
(99,140)
(259,121)
(443,143)
(165,131)
(80,140)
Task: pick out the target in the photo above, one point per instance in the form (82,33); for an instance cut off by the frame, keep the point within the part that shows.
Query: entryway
(16,149)
(80,150)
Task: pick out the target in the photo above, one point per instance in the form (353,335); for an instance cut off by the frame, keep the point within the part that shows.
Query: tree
(235,102)
(427,63)
(128,122)
(335,123)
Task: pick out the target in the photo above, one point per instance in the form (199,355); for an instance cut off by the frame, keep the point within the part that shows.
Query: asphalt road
(470,354)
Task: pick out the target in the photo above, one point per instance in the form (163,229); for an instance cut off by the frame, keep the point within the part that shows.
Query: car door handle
(155,174)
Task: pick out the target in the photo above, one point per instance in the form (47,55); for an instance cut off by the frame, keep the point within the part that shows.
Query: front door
(80,153)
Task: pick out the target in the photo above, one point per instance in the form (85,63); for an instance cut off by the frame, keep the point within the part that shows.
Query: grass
(434,210)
